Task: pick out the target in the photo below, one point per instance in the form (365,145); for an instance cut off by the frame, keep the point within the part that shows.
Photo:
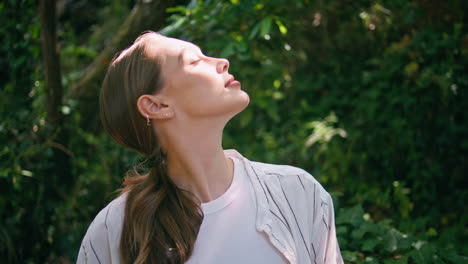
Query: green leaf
(254,31)
(228,50)
(282,28)
(349,255)
(369,244)
(351,215)
(177,9)
(400,260)
(423,255)
(391,240)
(265,26)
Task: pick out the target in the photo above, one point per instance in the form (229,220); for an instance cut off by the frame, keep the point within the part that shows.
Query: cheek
(203,84)
(204,94)
(204,76)
(195,93)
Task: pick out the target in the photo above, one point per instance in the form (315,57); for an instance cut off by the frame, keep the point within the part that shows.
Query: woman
(165,99)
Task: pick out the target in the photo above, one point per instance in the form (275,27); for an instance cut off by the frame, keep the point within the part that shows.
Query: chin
(242,103)
(246,101)
(227,108)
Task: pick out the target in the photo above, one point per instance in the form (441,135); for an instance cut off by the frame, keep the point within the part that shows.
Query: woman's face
(198,85)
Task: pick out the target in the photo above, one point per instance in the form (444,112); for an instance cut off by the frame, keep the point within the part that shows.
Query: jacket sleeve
(332,251)
(94,248)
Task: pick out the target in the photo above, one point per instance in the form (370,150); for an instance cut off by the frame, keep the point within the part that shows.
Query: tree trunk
(51,60)
(58,175)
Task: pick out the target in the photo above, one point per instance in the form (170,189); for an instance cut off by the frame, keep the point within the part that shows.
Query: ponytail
(161,221)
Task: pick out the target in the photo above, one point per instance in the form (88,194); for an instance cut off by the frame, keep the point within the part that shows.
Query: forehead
(167,48)
(168,52)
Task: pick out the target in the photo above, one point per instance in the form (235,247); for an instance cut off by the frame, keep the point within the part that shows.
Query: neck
(196,160)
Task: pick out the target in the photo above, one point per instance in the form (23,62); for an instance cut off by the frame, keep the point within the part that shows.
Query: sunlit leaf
(265,26)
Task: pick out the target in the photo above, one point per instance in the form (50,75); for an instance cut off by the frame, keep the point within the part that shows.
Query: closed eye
(195,62)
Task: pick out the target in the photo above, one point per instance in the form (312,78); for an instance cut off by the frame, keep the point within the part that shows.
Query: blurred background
(369,96)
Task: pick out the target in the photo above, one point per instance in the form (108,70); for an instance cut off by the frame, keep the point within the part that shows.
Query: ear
(154,106)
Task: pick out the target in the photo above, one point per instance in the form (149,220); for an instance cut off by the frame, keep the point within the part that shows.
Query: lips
(232,82)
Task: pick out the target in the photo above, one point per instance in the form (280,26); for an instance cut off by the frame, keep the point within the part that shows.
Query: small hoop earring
(147,120)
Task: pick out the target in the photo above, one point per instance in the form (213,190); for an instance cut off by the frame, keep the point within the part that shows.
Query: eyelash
(195,62)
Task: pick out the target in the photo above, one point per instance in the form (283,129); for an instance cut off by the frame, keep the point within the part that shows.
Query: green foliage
(43,215)
(19,190)
(365,241)
(368,96)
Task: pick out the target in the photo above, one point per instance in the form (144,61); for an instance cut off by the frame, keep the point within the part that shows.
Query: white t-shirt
(228,234)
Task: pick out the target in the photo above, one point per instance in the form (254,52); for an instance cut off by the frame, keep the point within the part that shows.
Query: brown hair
(161,221)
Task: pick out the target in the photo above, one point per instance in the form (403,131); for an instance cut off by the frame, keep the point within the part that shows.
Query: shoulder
(100,243)
(293,181)
(109,218)
(283,170)
(285,174)
(296,195)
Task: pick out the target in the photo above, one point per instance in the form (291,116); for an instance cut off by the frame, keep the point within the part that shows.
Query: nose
(222,66)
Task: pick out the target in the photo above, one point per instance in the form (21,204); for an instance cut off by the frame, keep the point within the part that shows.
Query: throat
(205,177)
